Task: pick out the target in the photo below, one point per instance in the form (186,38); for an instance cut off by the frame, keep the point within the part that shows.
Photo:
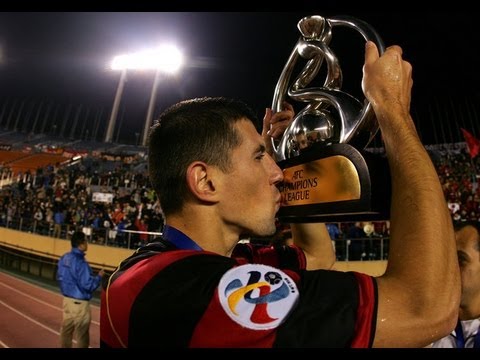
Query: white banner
(102,197)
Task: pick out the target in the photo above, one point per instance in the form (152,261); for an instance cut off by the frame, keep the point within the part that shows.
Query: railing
(362,249)
(346,249)
(129,239)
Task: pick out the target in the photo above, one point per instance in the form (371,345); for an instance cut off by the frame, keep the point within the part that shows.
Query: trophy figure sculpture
(328,175)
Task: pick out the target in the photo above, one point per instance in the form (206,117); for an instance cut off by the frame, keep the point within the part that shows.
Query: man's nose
(277,173)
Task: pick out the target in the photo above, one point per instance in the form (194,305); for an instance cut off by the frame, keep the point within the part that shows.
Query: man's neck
(210,235)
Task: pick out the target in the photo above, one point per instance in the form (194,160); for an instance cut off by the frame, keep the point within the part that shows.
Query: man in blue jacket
(77,285)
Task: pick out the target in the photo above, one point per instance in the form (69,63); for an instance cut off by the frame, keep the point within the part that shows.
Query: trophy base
(335,183)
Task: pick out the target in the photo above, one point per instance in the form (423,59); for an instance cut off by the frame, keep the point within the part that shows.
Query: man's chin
(268,232)
(264,233)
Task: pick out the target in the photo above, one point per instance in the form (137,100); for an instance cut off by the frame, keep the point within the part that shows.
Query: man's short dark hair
(78,237)
(199,129)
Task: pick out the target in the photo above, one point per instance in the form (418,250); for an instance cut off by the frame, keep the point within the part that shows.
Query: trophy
(328,174)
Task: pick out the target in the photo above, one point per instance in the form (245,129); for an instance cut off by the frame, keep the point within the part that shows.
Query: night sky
(63,58)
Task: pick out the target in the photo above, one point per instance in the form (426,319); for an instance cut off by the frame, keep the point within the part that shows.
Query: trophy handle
(356,123)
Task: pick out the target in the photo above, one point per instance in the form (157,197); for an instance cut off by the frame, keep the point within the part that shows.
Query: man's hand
(387,79)
(274,125)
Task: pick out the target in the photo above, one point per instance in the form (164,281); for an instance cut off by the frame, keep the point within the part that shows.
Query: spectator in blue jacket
(77,284)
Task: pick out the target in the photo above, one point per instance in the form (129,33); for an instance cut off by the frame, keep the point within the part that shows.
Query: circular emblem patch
(257,296)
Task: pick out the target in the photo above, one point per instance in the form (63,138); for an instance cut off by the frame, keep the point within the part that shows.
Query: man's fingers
(281,116)
(287,106)
(276,133)
(395,48)
(278,129)
(266,119)
(274,124)
(371,52)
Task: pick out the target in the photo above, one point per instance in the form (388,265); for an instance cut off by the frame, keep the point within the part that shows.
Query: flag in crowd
(473,143)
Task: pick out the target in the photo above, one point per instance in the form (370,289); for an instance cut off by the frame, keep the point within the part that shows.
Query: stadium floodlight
(164,59)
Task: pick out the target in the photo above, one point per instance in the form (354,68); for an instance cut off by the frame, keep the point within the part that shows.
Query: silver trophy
(328,175)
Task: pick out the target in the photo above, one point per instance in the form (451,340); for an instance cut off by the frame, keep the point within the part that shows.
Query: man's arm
(419,293)
(312,238)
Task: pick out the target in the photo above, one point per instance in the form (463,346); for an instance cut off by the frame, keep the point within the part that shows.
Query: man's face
(250,198)
(83,246)
(469,261)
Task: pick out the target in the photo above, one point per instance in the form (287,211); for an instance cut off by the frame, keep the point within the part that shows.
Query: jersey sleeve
(336,309)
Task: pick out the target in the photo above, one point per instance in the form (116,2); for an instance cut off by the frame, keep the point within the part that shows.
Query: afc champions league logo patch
(257,296)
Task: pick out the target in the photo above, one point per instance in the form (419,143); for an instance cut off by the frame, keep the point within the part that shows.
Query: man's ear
(201,181)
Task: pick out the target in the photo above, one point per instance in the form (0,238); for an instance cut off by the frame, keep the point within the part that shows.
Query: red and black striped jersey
(166,297)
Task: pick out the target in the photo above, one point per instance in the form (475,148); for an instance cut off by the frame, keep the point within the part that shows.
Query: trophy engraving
(329,179)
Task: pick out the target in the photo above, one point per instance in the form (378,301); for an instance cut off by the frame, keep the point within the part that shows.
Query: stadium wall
(107,257)
(98,256)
